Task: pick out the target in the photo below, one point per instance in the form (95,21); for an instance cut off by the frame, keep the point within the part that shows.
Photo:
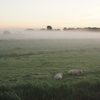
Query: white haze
(50,35)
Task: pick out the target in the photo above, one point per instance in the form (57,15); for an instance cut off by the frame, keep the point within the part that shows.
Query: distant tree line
(49,27)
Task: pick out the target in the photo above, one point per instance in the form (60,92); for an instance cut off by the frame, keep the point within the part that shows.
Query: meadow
(27,68)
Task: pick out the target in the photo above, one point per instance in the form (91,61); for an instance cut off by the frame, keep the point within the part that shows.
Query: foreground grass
(27,68)
(46,91)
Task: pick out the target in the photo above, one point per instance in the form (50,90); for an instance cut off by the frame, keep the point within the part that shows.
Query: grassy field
(27,68)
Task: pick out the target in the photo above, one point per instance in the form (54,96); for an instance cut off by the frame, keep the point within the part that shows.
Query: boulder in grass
(58,76)
(75,72)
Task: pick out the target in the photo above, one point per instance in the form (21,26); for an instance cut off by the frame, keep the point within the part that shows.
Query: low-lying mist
(51,35)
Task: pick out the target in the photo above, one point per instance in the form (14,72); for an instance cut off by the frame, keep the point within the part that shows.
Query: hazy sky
(57,13)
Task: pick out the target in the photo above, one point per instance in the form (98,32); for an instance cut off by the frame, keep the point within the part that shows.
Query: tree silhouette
(49,27)
(64,28)
(6,32)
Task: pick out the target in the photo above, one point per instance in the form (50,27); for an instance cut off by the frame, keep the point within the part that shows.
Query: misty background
(23,34)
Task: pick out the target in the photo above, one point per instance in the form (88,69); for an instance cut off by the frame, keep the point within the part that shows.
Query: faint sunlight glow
(58,13)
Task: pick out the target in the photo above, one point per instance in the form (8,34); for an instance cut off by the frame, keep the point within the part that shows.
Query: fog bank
(50,35)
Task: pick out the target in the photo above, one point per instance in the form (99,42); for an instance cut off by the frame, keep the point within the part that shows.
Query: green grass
(27,68)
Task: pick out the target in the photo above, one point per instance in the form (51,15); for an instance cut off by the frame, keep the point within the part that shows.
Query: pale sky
(57,13)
